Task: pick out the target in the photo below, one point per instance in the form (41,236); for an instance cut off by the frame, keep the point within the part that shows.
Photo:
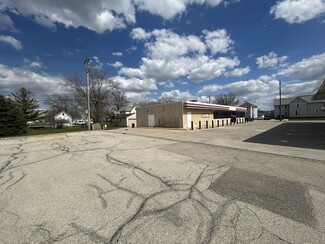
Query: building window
(285,114)
(323,104)
(316,111)
(310,108)
(297,99)
(285,106)
(298,105)
(296,112)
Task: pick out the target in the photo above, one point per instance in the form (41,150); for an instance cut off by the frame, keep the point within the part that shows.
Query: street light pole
(280,100)
(86,62)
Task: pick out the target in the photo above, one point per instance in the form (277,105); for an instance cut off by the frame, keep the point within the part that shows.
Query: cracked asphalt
(160,186)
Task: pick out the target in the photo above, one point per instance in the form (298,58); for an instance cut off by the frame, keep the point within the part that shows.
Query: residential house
(299,107)
(252,110)
(310,106)
(62,119)
(127,117)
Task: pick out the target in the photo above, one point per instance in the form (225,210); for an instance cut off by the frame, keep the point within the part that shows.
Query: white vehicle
(80,122)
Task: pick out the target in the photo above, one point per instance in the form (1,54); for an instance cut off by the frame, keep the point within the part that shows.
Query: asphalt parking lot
(294,134)
(161,186)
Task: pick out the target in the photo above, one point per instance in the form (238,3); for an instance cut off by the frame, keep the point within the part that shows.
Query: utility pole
(87,62)
(280,100)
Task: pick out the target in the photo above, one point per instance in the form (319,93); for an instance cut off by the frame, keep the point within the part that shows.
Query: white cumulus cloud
(136,84)
(239,72)
(270,61)
(212,68)
(176,95)
(168,44)
(117,64)
(97,15)
(298,11)
(307,69)
(36,64)
(12,78)
(139,34)
(218,41)
(171,56)
(6,23)
(11,41)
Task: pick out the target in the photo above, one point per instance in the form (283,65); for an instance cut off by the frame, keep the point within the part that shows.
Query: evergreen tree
(28,105)
(12,121)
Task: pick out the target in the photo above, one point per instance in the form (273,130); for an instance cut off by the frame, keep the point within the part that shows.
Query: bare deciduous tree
(101,92)
(119,99)
(58,103)
(226,99)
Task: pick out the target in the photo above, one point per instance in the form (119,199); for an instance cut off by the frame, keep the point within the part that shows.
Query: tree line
(105,96)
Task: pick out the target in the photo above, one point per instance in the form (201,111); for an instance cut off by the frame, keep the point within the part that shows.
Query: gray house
(311,106)
(299,107)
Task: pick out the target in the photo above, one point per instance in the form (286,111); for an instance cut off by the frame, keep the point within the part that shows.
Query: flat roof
(211,106)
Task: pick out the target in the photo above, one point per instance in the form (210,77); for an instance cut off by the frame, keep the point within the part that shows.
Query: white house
(63,119)
(127,117)
(252,110)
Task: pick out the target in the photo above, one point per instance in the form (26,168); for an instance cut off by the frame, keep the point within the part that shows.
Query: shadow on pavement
(283,197)
(294,134)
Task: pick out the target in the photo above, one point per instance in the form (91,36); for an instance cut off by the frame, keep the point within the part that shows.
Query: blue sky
(167,49)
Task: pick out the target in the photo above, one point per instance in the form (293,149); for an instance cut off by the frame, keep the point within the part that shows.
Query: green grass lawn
(50,130)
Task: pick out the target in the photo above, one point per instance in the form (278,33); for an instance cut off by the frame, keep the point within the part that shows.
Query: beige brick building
(188,115)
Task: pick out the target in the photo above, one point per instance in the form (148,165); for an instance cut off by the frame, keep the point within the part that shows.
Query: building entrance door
(189,120)
(151,120)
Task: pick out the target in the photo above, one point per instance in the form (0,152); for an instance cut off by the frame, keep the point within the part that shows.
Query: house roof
(248,105)
(320,93)
(64,113)
(286,101)
(123,116)
(126,108)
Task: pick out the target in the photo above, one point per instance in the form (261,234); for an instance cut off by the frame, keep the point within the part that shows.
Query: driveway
(122,187)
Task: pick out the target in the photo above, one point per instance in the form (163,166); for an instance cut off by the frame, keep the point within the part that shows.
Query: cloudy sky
(166,49)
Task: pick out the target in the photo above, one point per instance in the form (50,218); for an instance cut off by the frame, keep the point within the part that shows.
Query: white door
(189,119)
(151,120)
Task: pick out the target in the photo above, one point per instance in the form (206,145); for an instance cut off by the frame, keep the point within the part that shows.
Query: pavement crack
(13,157)
(115,161)
(60,147)
(278,237)
(119,187)
(100,193)
(197,181)
(90,233)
